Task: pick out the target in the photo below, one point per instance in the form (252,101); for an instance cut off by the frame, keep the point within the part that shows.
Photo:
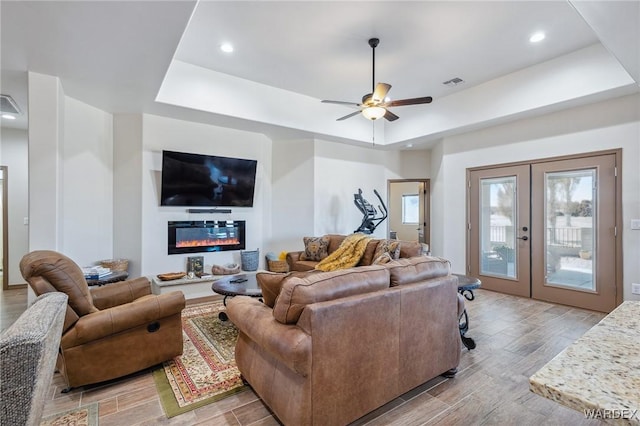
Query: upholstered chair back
(47,271)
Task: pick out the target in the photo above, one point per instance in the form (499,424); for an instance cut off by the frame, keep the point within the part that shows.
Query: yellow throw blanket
(347,255)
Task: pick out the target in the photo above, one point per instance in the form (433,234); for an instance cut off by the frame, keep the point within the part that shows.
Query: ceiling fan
(375,105)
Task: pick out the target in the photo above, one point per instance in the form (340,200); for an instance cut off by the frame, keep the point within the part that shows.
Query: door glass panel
(570,215)
(498,211)
(410,209)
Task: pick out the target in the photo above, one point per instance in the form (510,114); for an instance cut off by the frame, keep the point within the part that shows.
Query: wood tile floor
(514,336)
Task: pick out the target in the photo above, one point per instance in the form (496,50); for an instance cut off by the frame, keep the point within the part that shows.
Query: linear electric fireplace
(205,236)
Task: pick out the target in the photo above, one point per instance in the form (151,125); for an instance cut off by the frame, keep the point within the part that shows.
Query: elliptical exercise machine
(370,220)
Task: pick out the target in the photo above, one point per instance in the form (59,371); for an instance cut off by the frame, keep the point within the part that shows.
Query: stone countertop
(601,370)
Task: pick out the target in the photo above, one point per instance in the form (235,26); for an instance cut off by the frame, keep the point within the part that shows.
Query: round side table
(236,285)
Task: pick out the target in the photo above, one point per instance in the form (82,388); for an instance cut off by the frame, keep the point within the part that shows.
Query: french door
(499,229)
(547,230)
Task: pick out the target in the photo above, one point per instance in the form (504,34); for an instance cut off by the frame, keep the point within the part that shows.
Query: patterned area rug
(206,371)
(87,415)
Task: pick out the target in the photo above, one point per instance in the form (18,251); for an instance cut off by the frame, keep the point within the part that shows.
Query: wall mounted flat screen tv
(206,180)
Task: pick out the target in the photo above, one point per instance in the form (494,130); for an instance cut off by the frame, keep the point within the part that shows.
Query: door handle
(524,238)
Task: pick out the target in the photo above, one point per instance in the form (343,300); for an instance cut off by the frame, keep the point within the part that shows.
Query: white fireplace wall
(160,133)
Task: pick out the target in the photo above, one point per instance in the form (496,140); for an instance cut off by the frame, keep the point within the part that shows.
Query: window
(410,209)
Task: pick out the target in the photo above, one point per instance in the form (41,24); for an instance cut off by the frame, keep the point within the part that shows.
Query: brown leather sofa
(296,262)
(108,331)
(334,346)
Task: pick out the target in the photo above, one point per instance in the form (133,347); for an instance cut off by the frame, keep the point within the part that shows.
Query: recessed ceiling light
(537,37)
(9,116)
(409,145)
(226,47)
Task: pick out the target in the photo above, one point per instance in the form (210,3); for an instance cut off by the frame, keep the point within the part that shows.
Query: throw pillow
(367,258)
(410,249)
(388,246)
(384,258)
(315,248)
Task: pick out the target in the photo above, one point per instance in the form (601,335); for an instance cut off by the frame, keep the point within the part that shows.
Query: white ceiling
(114,55)
(321,50)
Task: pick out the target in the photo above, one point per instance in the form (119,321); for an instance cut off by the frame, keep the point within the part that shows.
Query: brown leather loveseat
(108,331)
(334,346)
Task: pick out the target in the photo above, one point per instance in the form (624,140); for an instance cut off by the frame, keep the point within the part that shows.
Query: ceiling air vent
(8,105)
(453,82)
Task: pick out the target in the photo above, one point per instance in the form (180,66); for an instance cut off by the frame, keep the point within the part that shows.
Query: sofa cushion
(315,248)
(305,265)
(410,249)
(414,269)
(367,258)
(387,246)
(298,292)
(334,241)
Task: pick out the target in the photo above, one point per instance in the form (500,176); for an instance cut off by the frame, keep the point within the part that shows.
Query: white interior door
(408,210)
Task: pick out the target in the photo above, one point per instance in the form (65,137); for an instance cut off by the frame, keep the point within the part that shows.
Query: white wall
(411,164)
(161,133)
(14,155)
(127,199)
(87,183)
(341,169)
(606,125)
(70,174)
(46,132)
(293,194)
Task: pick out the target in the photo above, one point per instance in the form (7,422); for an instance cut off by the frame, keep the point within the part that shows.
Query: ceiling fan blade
(390,116)
(380,92)
(341,103)
(412,101)
(348,116)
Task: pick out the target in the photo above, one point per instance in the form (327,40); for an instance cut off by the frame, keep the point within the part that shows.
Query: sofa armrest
(29,349)
(108,322)
(119,293)
(292,258)
(288,343)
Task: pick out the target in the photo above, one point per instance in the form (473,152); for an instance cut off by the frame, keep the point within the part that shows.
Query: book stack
(95,272)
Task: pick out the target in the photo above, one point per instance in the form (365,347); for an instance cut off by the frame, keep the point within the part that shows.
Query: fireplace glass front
(205,236)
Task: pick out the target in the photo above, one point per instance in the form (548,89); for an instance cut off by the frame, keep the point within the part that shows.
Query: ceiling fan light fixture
(374,112)
(374,105)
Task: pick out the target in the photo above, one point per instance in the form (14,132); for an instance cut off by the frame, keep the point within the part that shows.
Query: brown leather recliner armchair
(108,331)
